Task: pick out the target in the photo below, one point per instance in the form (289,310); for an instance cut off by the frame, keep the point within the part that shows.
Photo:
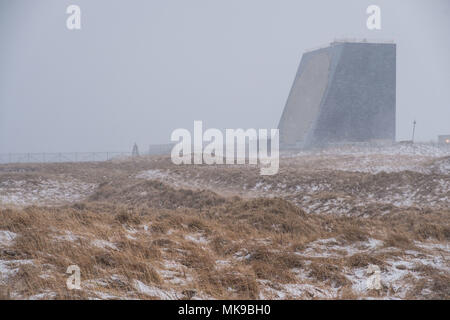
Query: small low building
(444,139)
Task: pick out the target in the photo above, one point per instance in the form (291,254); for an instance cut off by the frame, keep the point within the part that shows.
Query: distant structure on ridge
(444,140)
(135,151)
(344,92)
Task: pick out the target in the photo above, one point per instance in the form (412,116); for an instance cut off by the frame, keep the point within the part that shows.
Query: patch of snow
(68,236)
(293,290)
(152,174)
(9,268)
(106,296)
(242,254)
(7,238)
(324,248)
(104,244)
(222,264)
(43,296)
(433,246)
(43,191)
(197,238)
(152,291)
(94,283)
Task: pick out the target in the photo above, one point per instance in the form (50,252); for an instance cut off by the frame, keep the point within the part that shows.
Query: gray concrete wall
(307,91)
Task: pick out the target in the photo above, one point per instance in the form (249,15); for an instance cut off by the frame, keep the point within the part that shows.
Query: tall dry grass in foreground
(216,251)
(139,238)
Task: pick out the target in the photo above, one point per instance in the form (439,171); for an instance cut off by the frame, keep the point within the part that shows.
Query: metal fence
(44,157)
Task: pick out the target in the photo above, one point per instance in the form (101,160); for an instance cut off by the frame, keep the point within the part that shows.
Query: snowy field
(147,229)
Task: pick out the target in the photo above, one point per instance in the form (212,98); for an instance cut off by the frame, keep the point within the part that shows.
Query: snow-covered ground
(417,149)
(42,191)
(7,238)
(9,268)
(353,181)
(321,181)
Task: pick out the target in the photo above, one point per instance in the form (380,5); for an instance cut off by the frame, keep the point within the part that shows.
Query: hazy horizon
(137,70)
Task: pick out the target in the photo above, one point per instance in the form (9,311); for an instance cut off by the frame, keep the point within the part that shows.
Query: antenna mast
(414,129)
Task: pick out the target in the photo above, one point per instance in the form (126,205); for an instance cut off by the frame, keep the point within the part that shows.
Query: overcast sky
(137,70)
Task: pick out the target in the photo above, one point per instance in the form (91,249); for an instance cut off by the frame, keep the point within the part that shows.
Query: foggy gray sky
(137,70)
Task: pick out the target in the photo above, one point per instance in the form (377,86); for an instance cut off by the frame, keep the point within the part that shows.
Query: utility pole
(414,129)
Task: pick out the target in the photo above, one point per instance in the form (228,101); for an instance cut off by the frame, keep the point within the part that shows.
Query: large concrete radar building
(342,93)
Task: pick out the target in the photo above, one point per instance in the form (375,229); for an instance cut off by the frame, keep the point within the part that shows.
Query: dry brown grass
(229,228)
(197,243)
(325,271)
(398,240)
(363,260)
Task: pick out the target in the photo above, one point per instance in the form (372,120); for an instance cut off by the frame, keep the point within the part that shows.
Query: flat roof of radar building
(349,40)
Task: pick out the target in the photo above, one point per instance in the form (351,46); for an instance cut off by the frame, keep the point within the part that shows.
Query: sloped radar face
(359,104)
(304,100)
